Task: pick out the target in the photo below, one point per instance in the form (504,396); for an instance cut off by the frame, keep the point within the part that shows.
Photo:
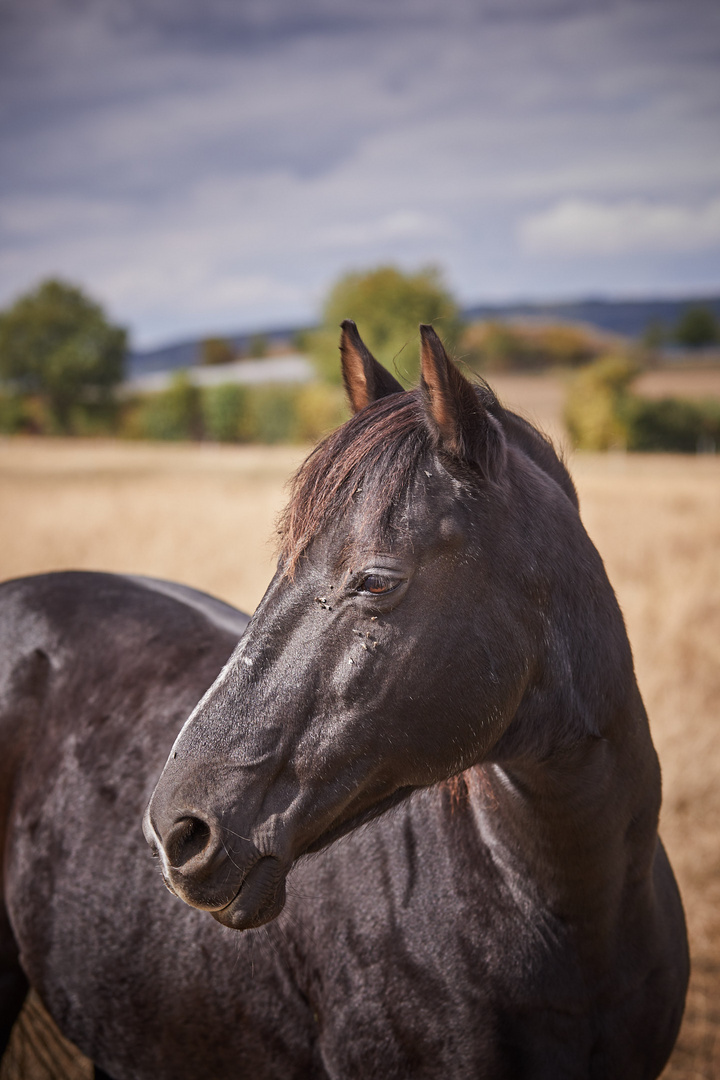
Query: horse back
(81,652)
(97,675)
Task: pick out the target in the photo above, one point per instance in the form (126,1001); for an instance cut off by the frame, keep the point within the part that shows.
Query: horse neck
(574,830)
(570,794)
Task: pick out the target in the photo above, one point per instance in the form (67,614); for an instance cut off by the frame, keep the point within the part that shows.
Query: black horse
(440,650)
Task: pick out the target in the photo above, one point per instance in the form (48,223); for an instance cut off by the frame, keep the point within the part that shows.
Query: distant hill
(185,354)
(629,318)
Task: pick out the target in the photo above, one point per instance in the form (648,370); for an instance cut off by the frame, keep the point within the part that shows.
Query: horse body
(144,986)
(439,653)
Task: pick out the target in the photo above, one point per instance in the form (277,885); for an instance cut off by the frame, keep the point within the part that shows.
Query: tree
(215,350)
(387,306)
(698,327)
(57,343)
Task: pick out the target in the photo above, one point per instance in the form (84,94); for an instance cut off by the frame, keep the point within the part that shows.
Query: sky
(207,167)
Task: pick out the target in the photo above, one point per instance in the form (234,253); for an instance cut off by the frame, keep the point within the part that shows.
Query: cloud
(399,226)
(196,168)
(590,227)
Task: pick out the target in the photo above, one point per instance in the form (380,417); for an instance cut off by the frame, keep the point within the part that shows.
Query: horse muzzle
(260,898)
(236,884)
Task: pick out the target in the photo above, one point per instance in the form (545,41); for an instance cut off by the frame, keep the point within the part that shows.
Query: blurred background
(193,195)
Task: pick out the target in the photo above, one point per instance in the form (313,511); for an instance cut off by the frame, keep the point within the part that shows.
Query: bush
(172,414)
(271,414)
(225,412)
(94,419)
(496,346)
(237,413)
(673,424)
(14,414)
(319,408)
(215,351)
(601,413)
(596,408)
(493,346)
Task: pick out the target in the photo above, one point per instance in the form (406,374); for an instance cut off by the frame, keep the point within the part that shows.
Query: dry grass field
(204,516)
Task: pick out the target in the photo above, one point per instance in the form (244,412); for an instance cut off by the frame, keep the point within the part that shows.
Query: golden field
(205,515)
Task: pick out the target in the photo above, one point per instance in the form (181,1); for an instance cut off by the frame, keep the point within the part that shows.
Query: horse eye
(376,583)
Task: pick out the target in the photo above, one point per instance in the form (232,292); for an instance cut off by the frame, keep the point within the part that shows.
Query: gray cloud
(217,165)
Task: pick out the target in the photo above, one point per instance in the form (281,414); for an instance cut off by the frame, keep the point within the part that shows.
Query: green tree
(387,306)
(697,327)
(57,343)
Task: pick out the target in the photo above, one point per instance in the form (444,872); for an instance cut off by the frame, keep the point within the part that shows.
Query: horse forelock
(375,455)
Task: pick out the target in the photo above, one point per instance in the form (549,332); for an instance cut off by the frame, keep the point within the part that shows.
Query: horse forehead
(429,510)
(438,501)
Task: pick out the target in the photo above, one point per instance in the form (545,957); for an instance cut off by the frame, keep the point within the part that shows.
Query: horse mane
(377,453)
(538,446)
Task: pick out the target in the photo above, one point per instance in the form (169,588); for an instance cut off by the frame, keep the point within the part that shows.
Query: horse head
(400,642)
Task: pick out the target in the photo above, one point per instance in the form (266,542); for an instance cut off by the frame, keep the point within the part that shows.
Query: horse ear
(458,418)
(365,380)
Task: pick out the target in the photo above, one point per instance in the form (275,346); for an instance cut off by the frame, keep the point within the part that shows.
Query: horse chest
(416,967)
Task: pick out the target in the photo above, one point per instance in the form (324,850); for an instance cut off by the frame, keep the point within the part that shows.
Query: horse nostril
(187,838)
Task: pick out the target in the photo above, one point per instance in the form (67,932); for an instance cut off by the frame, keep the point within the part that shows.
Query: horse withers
(422,785)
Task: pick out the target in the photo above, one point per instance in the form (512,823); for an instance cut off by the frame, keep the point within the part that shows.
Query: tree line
(62,360)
